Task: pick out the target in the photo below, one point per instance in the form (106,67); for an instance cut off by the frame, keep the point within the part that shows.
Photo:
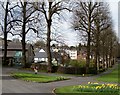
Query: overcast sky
(114,12)
(113,5)
(71,37)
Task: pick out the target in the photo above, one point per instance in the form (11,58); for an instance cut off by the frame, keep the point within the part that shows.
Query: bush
(54,69)
(92,70)
(71,70)
(75,70)
(81,63)
(76,63)
(92,64)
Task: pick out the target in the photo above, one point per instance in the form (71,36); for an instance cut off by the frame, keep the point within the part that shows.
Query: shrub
(71,70)
(76,63)
(54,69)
(60,78)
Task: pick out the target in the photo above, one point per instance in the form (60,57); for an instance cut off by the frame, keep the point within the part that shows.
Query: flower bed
(90,88)
(95,87)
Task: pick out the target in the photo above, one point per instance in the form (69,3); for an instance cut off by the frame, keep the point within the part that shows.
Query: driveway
(11,85)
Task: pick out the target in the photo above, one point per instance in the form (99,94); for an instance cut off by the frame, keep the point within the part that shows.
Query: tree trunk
(5,49)
(49,69)
(49,23)
(88,40)
(5,36)
(110,54)
(24,51)
(97,51)
(96,58)
(107,61)
(88,54)
(103,53)
(23,36)
(103,62)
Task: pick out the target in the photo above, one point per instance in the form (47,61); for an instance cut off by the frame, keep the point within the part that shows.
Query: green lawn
(37,77)
(90,89)
(93,90)
(111,77)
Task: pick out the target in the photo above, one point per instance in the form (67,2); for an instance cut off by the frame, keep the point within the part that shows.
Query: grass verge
(37,77)
(111,77)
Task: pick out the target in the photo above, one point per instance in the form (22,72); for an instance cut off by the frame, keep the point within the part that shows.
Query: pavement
(13,86)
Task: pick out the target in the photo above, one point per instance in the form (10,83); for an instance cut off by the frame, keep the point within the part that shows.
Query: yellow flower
(80,86)
(95,83)
(83,86)
(115,85)
(103,84)
(97,87)
(89,82)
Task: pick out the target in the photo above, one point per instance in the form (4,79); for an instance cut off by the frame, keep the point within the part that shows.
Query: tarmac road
(11,85)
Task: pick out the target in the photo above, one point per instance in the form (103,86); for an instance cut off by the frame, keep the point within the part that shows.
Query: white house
(40,55)
(72,54)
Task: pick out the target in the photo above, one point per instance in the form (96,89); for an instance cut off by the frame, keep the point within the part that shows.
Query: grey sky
(119,21)
(70,36)
(113,5)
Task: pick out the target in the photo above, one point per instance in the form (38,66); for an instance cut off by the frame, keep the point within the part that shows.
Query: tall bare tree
(108,47)
(49,9)
(84,18)
(7,24)
(28,19)
(101,23)
(5,33)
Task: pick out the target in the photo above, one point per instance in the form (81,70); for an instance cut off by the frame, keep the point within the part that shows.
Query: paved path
(11,85)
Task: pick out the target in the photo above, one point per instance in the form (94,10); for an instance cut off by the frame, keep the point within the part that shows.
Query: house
(41,56)
(14,52)
(72,53)
(81,55)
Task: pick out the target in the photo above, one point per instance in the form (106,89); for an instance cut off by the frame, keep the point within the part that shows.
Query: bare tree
(7,24)
(84,18)
(28,19)
(101,23)
(49,9)
(108,47)
(5,33)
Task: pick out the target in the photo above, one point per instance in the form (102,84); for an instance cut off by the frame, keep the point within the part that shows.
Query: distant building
(72,54)
(41,56)
(14,52)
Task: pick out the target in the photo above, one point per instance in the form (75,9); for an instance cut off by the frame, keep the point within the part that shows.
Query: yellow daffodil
(89,82)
